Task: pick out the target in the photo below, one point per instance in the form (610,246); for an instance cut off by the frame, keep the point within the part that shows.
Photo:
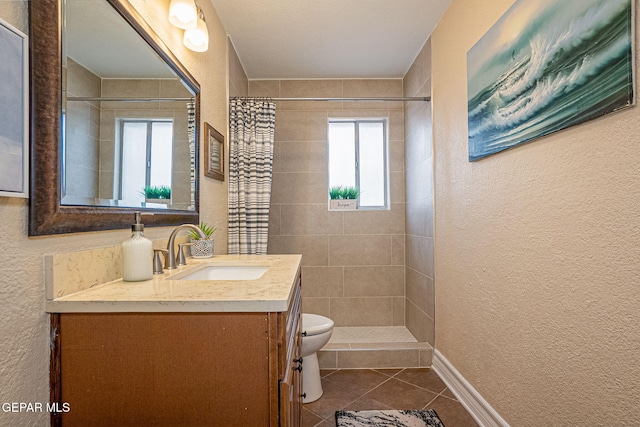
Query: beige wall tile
(396,155)
(418,134)
(426,358)
(315,305)
(360,250)
(299,187)
(310,219)
(301,125)
(328,359)
(419,324)
(419,255)
(372,88)
(396,186)
(378,359)
(375,221)
(322,282)
(237,76)
(373,281)
(398,249)
(310,89)
(303,156)
(396,125)
(106,184)
(399,311)
(419,73)
(419,197)
(130,88)
(269,88)
(173,89)
(80,81)
(389,346)
(274,219)
(365,311)
(420,182)
(419,218)
(418,289)
(314,249)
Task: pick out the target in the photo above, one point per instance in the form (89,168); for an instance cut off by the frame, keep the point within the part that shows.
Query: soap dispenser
(137,254)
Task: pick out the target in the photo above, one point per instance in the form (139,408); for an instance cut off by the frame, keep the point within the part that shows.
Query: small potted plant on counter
(343,198)
(157,194)
(202,248)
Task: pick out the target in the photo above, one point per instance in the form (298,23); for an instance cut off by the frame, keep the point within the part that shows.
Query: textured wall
(537,254)
(24,352)
(419,196)
(353,262)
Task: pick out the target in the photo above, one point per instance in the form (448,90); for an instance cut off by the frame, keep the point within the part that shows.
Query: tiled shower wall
(353,262)
(419,269)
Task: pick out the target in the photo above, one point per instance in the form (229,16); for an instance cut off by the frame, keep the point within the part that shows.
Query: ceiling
(94,36)
(301,39)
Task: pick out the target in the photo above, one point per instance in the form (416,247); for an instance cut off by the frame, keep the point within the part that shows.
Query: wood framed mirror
(53,209)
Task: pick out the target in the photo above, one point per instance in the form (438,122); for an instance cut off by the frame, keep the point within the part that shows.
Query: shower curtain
(251,128)
(191,135)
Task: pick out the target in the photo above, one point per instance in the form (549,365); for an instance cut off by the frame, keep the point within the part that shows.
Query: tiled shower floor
(370,347)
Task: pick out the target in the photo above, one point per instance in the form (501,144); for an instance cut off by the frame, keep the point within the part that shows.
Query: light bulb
(183,14)
(197,39)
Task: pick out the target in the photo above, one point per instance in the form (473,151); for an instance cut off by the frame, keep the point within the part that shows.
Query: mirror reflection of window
(146,157)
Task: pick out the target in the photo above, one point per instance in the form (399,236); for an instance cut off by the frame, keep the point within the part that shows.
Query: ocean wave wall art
(547,65)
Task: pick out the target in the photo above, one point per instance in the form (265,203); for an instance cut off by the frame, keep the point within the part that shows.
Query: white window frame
(385,129)
(120,123)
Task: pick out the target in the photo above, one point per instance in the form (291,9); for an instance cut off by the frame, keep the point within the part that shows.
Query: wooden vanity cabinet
(291,366)
(178,369)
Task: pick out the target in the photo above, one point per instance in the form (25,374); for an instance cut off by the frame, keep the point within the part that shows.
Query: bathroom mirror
(113,114)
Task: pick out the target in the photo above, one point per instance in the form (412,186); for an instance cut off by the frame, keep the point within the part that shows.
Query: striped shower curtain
(251,128)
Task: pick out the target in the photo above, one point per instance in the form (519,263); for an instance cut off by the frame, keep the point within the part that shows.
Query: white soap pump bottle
(137,254)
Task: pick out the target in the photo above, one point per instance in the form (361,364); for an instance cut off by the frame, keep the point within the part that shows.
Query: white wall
(537,254)
(24,335)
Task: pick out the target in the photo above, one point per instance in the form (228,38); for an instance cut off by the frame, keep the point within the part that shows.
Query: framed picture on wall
(546,65)
(14,112)
(214,153)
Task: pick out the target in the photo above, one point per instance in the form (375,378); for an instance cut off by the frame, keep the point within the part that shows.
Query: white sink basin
(223,272)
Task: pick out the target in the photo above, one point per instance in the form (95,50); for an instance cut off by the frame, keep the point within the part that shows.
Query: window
(145,156)
(358,158)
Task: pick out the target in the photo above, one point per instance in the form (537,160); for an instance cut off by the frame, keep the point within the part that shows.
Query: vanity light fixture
(197,39)
(183,14)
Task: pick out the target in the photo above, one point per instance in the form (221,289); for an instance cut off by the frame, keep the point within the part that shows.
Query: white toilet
(316,331)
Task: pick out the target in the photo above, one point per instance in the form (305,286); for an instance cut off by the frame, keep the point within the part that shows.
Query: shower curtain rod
(98,98)
(359,99)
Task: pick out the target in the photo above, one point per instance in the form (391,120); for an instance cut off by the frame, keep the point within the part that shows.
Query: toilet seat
(314,324)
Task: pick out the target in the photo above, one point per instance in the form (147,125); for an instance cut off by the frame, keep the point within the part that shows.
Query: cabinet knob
(299,360)
(303,395)
(297,368)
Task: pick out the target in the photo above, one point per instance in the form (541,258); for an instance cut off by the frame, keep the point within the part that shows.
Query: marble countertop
(270,293)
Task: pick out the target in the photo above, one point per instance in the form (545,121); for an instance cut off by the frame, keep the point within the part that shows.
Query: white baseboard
(468,396)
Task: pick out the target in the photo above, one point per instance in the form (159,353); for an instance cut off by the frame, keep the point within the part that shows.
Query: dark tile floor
(362,389)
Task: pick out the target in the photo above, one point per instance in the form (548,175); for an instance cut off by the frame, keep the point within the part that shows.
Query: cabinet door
(291,383)
(291,391)
(169,369)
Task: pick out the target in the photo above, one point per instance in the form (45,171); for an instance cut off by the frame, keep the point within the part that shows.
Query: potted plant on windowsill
(202,248)
(343,198)
(157,194)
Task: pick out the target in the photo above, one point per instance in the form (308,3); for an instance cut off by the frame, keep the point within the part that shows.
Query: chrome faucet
(171,250)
